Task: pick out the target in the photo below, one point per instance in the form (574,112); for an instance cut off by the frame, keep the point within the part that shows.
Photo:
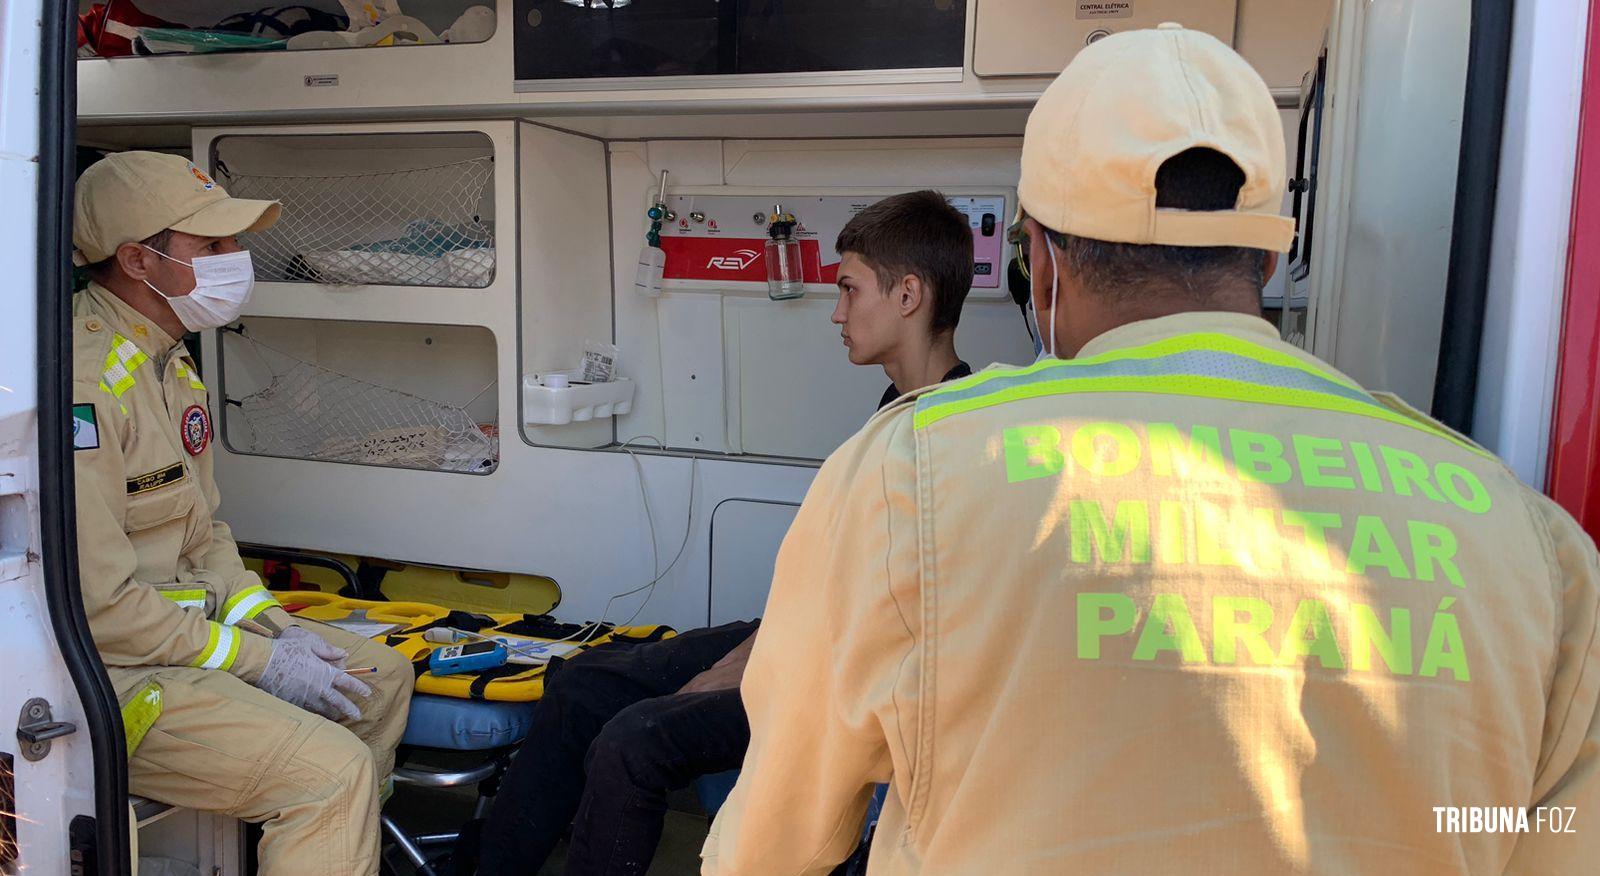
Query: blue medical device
(470,657)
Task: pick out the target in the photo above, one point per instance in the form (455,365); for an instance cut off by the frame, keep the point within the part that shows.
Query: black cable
(1455,385)
(58,513)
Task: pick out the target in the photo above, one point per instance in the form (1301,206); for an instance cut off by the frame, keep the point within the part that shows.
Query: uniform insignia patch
(155,480)
(85,430)
(195,428)
(201,176)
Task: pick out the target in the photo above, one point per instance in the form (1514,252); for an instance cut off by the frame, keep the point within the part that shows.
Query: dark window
(558,39)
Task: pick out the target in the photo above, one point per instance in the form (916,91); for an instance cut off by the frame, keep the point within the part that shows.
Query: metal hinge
(36,727)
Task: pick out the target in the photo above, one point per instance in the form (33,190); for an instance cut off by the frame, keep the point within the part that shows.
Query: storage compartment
(413,209)
(118,28)
(1040,37)
(607,39)
(406,396)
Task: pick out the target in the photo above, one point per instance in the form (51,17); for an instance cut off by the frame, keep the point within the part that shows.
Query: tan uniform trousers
(224,746)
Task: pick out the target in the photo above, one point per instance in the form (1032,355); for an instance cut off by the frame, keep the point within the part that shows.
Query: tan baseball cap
(1129,102)
(129,196)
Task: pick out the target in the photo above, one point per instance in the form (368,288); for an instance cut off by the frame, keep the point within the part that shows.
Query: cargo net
(311,412)
(421,227)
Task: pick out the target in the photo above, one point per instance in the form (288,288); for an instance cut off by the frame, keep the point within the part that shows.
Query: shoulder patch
(155,480)
(195,430)
(85,428)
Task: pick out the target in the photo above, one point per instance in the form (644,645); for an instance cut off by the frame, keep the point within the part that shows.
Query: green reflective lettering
(1170,454)
(1169,628)
(1032,452)
(1468,495)
(1432,543)
(1258,457)
(1212,536)
(1173,532)
(1091,453)
(1094,624)
(1372,545)
(1444,649)
(1394,644)
(1311,616)
(1315,526)
(1315,456)
(1367,467)
(1407,469)
(1227,631)
(1127,536)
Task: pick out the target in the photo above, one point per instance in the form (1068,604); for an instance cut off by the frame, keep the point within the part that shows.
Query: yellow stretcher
(512,683)
(471,590)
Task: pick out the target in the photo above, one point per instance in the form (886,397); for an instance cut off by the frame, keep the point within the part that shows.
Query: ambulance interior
(466,196)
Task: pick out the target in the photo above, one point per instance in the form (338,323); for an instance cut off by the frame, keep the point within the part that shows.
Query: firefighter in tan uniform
(229,705)
(1190,601)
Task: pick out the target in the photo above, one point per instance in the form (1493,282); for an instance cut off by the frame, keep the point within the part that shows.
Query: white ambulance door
(49,785)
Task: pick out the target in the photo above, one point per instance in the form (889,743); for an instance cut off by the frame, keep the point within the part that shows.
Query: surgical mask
(1043,349)
(1033,323)
(222,285)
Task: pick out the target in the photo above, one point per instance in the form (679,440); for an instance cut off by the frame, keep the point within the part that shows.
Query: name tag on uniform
(155,480)
(85,431)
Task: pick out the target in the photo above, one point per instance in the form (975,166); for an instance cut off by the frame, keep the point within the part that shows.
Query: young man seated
(619,727)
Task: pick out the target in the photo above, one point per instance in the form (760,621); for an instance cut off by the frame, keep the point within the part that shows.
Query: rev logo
(740,260)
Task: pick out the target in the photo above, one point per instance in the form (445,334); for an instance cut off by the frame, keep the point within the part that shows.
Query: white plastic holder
(576,402)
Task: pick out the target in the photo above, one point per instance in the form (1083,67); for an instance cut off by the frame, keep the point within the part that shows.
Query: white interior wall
(565,295)
(776,387)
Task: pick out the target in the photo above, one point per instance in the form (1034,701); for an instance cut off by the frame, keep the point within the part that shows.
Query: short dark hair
(916,233)
(1195,179)
(101,271)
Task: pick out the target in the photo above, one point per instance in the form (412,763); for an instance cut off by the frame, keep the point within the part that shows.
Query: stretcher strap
(459,620)
(481,683)
(543,626)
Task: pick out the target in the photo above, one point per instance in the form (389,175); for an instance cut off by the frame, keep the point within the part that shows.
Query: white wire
(597,628)
(688,529)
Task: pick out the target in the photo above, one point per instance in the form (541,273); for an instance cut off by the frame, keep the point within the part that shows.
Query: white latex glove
(296,675)
(334,655)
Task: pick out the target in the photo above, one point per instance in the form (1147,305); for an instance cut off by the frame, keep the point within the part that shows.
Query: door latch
(36,727)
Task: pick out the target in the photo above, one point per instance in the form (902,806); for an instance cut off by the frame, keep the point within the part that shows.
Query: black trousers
(609,739)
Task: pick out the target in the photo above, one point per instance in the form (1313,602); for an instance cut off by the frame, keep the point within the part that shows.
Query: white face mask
(222,285)
(1045,343)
